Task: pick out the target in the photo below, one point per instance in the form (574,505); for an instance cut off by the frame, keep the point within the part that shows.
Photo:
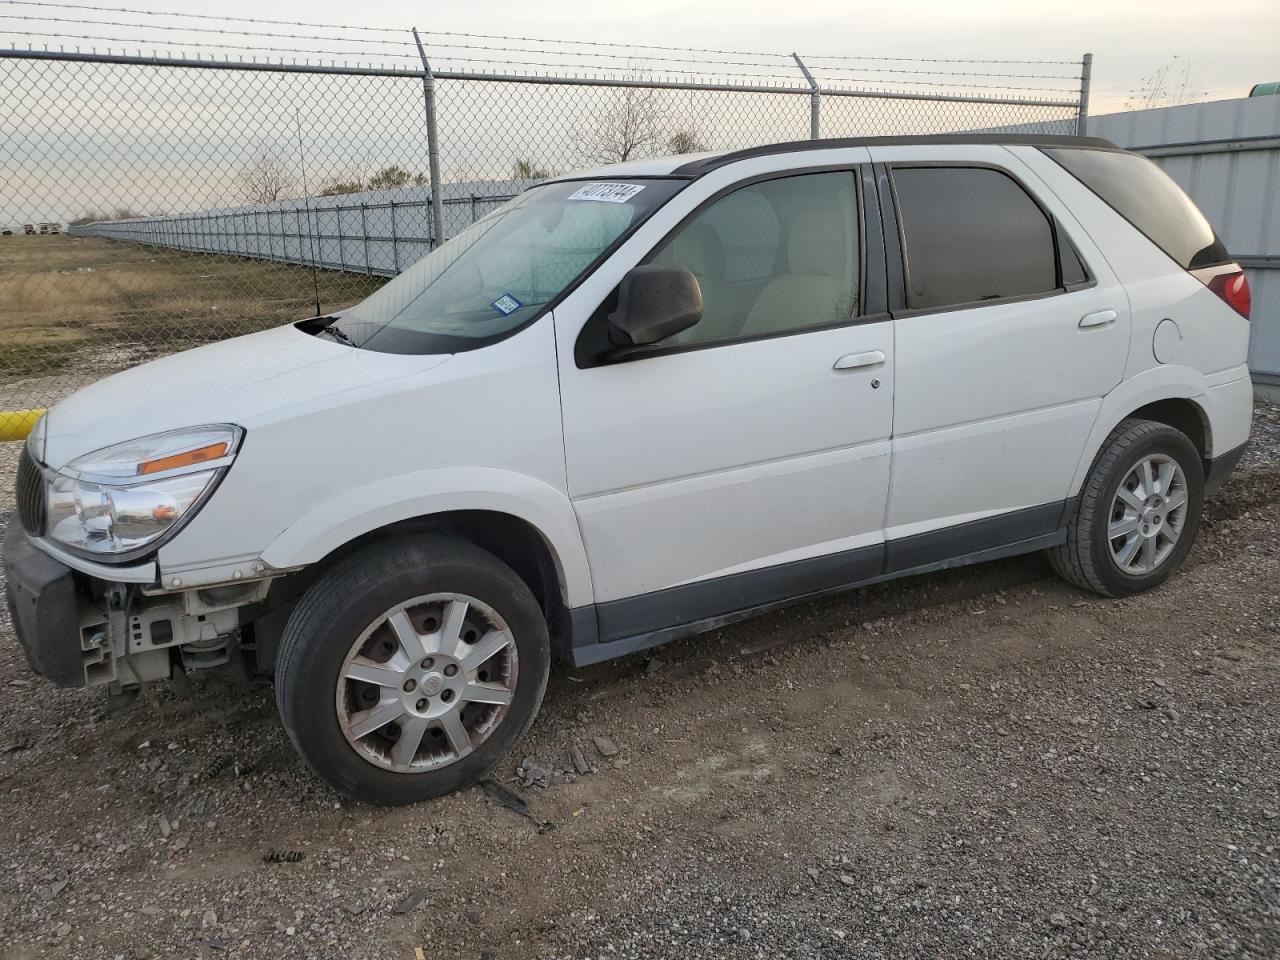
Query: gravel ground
(981,763)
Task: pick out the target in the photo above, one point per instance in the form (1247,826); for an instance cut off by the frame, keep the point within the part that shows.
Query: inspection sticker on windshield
(506,304)
(607,192)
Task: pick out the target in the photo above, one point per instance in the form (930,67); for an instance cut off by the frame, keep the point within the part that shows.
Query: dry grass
(102,304)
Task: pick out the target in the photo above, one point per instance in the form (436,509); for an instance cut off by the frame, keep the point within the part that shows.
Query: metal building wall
(378,232)
(1226,155)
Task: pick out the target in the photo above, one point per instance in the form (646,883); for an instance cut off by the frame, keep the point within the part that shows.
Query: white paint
(672,469)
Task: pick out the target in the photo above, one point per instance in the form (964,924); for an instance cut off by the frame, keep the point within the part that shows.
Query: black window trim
(897,239)
(587,354)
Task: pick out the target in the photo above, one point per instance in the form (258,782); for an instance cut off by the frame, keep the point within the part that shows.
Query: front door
(746,459)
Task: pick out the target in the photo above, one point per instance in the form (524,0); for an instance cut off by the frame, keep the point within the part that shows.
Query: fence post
(1086,72)
(433,146)
(815,100)
(395,243)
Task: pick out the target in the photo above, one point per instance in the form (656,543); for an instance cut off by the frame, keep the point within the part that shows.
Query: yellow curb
(16,424)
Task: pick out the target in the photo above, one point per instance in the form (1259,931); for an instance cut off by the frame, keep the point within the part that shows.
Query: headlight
(125,500)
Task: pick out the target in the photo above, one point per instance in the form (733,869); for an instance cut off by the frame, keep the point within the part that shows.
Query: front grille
(30,494)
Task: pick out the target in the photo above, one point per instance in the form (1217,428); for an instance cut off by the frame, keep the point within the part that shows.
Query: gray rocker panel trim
(607,630)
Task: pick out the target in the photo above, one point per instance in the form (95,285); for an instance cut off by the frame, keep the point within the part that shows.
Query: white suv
(635,404)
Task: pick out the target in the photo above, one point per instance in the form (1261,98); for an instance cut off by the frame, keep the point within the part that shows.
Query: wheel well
(514,541)
(1181,414)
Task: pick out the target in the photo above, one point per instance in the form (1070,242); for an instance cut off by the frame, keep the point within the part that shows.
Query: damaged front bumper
(78,630)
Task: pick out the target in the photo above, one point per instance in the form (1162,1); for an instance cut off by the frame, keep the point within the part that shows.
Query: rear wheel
(1138,512)
(411,668)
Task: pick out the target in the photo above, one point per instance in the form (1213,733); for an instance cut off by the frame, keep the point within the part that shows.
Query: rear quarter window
(1144,195)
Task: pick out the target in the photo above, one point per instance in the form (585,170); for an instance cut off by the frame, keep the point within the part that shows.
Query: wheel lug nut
(410,686)
(451,670)
(426,664)
(422,704)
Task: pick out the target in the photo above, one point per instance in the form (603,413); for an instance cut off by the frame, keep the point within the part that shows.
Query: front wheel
(411,668)
(1137,514)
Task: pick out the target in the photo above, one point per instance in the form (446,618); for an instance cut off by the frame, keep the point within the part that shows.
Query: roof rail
(697,168)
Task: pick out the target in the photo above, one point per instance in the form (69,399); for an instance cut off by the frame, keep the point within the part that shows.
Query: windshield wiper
(337,333)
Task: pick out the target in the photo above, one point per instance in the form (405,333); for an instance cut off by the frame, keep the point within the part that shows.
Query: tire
(1088,559)
(323,708)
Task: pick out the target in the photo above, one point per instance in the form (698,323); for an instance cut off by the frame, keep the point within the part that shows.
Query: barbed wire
(484,36)
(615,69)
(171,44)
(438,53)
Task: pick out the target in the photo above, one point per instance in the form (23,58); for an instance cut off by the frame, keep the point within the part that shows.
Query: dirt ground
(87,306)
(982,763)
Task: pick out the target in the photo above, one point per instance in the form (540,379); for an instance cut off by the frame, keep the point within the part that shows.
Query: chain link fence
(150,204)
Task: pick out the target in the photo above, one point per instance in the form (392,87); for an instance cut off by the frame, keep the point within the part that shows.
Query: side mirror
(654,302)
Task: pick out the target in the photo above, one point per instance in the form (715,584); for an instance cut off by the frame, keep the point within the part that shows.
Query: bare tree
(93,216)
(396,176)
(685,141)
(267,179)
(630,126)
(528,170)
(1169,85)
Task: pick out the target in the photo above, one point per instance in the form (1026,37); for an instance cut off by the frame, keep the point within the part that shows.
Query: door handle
(851,361)
(1099,319)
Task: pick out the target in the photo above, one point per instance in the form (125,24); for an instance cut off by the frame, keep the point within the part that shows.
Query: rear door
(1009,328)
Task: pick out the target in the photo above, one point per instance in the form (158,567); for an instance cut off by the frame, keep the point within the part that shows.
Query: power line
(201,16)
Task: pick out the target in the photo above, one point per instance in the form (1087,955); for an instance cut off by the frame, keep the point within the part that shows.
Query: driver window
(774,257)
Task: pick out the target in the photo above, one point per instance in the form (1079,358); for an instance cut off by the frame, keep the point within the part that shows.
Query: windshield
(497,275)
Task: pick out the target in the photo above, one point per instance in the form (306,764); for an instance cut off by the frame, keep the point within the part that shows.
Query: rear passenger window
(1144,195)
(971,234)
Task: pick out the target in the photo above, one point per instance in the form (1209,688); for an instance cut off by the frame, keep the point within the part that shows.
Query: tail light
(1233,288)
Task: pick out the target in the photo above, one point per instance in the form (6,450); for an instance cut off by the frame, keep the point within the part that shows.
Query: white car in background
(635,404)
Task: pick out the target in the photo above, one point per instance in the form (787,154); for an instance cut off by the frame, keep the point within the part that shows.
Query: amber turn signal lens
(213,451)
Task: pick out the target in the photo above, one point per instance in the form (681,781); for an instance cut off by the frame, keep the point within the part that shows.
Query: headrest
(816,245)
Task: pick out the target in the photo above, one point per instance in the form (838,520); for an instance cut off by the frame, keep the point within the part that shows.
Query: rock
(533,774)
(579,760)
(165,828)
(209,919)
(813,873)
(63,930)
(847,880)
(410,903)
(606,746)
(1059,920)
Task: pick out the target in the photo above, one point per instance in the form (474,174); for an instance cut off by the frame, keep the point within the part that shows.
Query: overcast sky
(213,125)
(1230,44)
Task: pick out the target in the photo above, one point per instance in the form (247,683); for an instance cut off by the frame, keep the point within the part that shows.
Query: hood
(234,381)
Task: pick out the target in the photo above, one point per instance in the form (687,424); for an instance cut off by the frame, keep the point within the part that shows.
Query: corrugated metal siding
(1227,158)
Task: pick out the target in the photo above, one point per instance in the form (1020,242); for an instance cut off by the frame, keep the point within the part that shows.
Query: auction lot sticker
(607,192)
